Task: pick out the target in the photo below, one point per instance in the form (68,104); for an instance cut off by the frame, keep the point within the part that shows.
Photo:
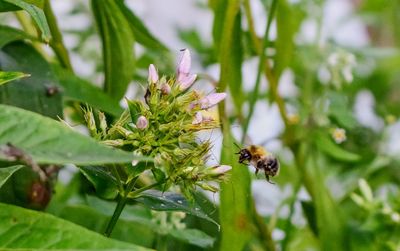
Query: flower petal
(211,100)
(186,81)
(153,75)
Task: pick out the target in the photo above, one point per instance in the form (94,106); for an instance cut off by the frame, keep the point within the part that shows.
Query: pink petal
(211,100)
(184,63)
(198,118)
(186,81)
(153,75)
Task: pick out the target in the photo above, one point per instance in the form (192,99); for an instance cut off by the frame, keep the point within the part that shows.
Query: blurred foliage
(338,187)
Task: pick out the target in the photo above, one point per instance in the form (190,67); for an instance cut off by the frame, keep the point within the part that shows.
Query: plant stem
(29,28)
(117,213)
(140,190)
(118,210)
(263,63)
(56,41)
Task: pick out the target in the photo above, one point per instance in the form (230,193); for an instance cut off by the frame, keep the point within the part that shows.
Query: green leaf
(236,201)
(118,41)
(340,109)
(4,6)
(136,228)
(10,34)
(168,201)
(309,212)
(37,14)
(325,144)
(27,229)
(7,172)
(288,20)
(135,109)
(31,93)
(139,30)
(49,141)
(83,91)
(192,236)
(6,77)
(106,185)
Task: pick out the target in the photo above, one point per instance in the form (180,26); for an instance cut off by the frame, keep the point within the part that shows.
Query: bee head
(244,155)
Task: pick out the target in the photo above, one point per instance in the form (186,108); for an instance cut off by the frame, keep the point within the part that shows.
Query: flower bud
(198,118)
(153,75)
(184,64)
(221,169)
(165,89)
(208,187)
(142,123)
(211,100)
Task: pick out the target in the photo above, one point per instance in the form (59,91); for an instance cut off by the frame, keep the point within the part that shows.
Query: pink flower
(186,81)
(184,78)
(198,118)
(142,123)
(184,64)
(211,100)
(153,75)
(221,169)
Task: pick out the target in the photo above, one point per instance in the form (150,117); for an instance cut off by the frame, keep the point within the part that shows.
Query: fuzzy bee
(260,159)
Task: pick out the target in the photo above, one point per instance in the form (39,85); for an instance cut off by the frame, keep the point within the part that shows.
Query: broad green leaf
(5,6)
(6,172)
(309,213)
(40,92)
(118,41)
(136,228)
(106,185)
(37,14)
(139,30)
(27,229)
(168,201)
(6,77)
(288,20)
(325,144)
(235,201)
(193,237)
(49,141)
(81,90)
(10,34)
(236,58)
(330,220)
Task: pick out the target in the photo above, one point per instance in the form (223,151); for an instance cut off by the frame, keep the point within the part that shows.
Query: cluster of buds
(164,126)
(340,65)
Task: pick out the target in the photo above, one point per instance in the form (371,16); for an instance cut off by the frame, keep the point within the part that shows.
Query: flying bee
(260,159)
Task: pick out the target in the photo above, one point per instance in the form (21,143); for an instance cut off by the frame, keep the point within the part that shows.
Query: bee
(260,159)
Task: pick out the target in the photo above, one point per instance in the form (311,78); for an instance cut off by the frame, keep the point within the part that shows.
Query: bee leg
(257,171)
(267,177)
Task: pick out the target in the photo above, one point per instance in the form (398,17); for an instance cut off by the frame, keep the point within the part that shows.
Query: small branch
(56,41)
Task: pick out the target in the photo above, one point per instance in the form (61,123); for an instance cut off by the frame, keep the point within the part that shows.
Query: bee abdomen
(269,164)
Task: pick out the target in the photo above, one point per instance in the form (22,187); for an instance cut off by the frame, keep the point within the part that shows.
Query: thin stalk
(118,210)
(263,60)
(30,28)
(56,41)
(288,227)
(140,190)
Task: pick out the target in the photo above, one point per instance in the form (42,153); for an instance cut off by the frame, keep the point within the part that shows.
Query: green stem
(117,213)
(140,190)
(29,28)
(263,60)
(56,41)
(118,210)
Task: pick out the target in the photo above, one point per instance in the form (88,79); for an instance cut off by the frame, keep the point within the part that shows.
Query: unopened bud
(165,89)
(153,75)
(142,123)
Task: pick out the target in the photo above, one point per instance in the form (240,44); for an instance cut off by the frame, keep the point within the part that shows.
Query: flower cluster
(340,65)
(164,126)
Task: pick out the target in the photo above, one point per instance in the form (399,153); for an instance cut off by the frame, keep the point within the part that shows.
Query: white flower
(142,123)
(339,135)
